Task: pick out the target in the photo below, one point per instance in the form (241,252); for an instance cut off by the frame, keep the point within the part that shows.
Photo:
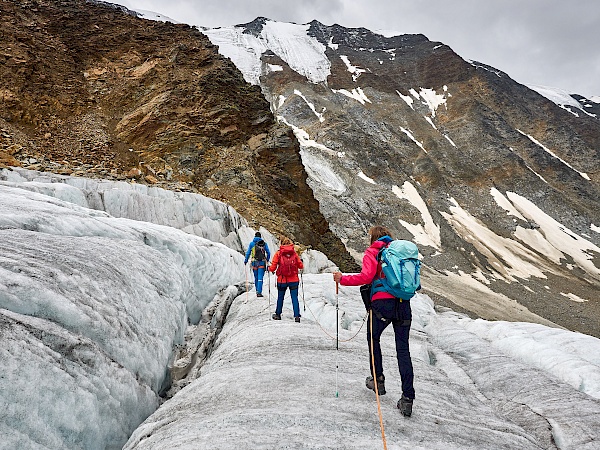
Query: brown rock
(7,160)
(134,173)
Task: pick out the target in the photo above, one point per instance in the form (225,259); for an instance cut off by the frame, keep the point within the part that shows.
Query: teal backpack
(401,270)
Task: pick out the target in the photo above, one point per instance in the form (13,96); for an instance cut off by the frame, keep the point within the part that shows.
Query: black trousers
(397,313)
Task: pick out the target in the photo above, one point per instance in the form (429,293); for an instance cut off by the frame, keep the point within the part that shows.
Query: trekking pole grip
(337,288)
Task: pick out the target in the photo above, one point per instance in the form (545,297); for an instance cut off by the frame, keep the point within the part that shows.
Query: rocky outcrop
(87,88)
(497,184)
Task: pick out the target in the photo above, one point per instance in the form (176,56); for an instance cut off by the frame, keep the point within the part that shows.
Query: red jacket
(370,268)
(292,278)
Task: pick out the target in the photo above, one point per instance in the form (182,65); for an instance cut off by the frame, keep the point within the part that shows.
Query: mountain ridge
(101,92)
(464,136)
(347,129)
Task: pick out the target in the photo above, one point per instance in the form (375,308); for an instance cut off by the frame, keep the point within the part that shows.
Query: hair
(257,234)
(286,241)
(378,231)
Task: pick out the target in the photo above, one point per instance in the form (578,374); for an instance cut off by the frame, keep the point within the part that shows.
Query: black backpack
(259,251)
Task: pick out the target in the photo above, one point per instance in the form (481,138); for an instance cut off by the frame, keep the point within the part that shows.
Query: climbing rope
(375,382)
(336,337)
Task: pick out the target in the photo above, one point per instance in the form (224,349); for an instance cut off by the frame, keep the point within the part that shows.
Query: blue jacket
(251,246)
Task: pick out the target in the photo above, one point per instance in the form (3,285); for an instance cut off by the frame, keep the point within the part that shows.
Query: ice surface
(272,384)
(190,212)
(91,307)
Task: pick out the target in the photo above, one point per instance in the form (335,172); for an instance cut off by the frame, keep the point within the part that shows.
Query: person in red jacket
(287,263)
(385,309)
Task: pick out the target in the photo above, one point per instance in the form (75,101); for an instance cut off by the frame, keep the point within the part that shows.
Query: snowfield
(92,307)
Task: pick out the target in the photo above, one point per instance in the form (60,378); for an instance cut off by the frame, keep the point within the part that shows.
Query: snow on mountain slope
(272,384)
(151,15)
(561,98)
(406,133)
(289,41)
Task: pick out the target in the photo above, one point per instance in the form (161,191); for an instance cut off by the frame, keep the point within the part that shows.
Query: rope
(337,333)
(375,382)
(334,337)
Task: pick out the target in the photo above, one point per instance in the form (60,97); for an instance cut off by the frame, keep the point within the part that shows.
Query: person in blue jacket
(258,251)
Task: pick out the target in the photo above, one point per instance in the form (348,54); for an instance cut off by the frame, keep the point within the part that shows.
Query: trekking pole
(302,283)
(269,280)
(337,335)
(246,273)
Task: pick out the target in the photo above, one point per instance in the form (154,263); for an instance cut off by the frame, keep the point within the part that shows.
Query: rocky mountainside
(498,185)
(319,132)
(88,88)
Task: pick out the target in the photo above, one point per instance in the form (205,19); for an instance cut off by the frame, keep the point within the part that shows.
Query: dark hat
(257,234)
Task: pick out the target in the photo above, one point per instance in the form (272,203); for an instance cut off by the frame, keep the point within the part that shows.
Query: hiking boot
(380,384)
(259,295)
(297,319)
(276,316)
(405,406)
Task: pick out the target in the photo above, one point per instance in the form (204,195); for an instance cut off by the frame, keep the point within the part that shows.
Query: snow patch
(429,234)
(559,236)
(574,297)
(449,140)
(518,261)
(412,138)
(366,178)
(311,106)
(547,150)
(432,99)
(354,70)
(274,68)
(356,94)
(530,168)
(409,101)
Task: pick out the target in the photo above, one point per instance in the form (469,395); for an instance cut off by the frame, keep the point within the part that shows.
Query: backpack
(258,252)
(401,270)
(288,265)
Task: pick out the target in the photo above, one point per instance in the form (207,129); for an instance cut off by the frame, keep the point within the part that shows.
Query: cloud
(543,42)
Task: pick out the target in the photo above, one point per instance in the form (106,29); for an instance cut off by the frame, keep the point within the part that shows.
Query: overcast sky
(541,42)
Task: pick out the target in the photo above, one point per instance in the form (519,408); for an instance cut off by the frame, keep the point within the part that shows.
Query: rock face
(497,184)
(88,89)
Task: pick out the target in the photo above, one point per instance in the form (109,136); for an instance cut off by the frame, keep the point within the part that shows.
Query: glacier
(102,284)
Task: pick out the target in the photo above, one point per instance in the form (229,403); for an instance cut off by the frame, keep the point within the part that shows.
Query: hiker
(384,309)
(287,262)
(258,250)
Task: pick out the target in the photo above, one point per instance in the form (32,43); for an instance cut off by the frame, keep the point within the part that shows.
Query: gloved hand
(245,261)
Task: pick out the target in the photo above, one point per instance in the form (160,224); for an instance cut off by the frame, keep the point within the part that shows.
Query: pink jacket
(370,268)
